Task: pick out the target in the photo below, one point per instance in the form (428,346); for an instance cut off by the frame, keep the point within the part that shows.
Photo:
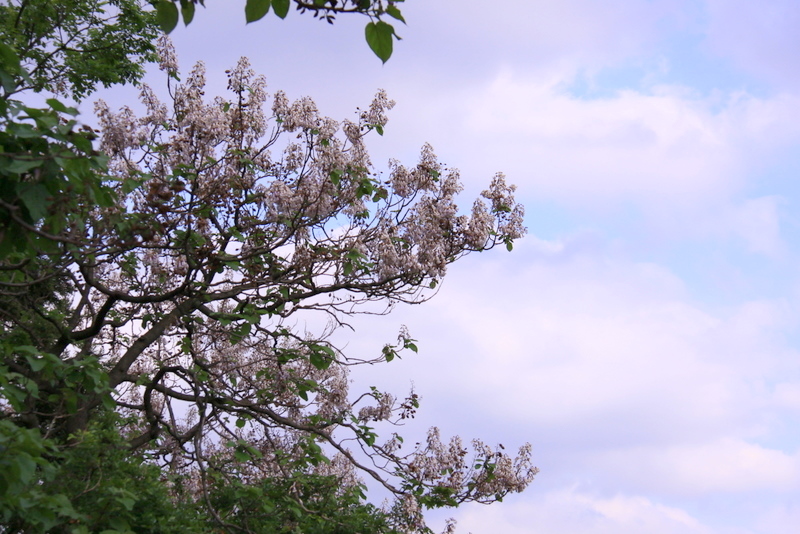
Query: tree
(71,47)
(149,296)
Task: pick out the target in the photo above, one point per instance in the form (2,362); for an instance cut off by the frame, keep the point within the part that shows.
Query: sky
(645,336)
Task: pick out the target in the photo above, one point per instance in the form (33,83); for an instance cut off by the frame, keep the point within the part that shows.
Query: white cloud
(571,510)
(725,465)
(661,147)
(609,368)
(682,164)
(572,341)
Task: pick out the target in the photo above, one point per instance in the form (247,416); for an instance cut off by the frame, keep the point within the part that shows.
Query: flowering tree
(233,221)
(247,217)
(149,296)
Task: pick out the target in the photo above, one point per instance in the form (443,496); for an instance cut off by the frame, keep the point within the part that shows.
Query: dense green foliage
(95,484)
(301,503)
(72,46)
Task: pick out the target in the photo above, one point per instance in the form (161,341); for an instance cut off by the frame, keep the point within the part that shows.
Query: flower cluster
(167,59)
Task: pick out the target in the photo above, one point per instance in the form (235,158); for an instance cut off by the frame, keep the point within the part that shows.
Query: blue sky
(644,337)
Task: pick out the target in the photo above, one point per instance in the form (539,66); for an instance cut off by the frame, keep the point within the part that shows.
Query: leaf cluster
(380,34)
(73,46)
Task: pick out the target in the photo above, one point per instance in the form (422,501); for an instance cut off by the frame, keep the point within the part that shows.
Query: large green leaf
(187,10)
(281,7)
(256,9)
(19,166)
(321,356)
(379,38)
(167,15)
(9,59)
(35,198)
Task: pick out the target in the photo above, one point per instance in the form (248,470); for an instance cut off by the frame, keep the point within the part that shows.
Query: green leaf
(380,194)
(103,195)
(321,356)
(36,364)
(9,58)
(319,361)
(368,435)
(108,402)
(27,349)
(187,10)
(8,82)
(127,502)
(167,15)
(131,184)
(26,131)
(255,10)
(26,468)
(327,350)
(46,122)
(304,386)
(57,105)
(34,196)
(239,333)
(379,38)
(281,7)
(393,12)
(19,166)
